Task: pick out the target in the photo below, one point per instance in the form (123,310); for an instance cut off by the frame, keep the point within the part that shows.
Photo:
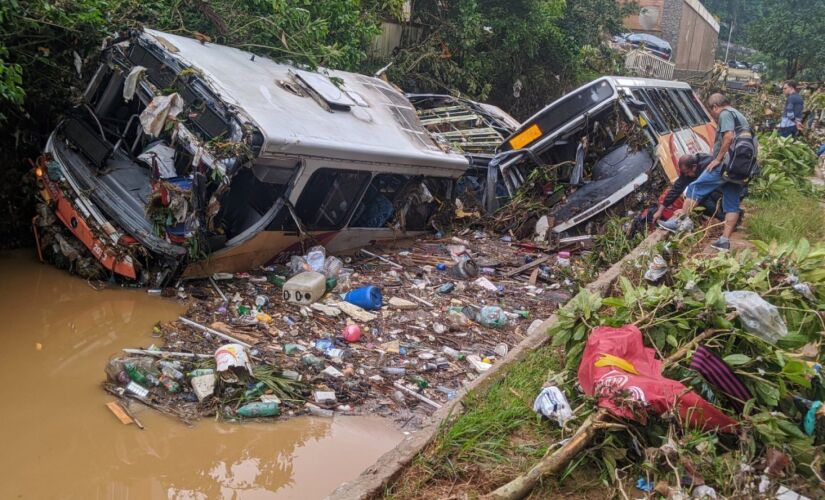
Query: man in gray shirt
(730,122)
(791,124)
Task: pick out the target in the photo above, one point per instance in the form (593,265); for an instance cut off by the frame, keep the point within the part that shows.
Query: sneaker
(677,225)
(671,225)
(722,244)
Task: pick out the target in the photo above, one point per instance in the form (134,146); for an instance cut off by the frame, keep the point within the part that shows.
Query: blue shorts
(791,131)
(709,182)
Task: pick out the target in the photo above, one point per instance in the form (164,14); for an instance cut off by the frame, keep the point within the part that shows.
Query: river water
(60,441)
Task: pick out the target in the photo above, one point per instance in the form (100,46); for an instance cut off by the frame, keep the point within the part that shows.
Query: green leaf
(797,371)
(671,340)
(736,359)
(613,302)
(802,249)
(767,394)
(792,341)
(580,331)
(562,337)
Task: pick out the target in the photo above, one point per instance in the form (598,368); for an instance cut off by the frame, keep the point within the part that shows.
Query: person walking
(730,124)
(791,124)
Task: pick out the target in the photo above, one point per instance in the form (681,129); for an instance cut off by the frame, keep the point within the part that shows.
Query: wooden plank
(529,265)
(119,412)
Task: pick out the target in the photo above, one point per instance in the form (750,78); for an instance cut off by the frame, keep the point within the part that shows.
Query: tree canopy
(792,32)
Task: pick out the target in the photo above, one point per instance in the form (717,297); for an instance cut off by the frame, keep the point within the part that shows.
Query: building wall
(698,36)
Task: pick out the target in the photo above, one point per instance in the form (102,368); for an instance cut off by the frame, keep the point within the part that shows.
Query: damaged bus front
(593,147)
(187,158)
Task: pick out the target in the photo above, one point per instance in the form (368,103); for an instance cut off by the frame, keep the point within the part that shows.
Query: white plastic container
(305,288)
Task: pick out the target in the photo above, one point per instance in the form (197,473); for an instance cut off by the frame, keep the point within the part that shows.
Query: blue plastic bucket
(368,297)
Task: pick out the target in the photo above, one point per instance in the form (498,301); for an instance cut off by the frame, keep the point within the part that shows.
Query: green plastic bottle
(135,374)
(255,390)
(258,409)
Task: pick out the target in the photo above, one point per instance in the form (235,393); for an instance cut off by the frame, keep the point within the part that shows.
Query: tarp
(627,377)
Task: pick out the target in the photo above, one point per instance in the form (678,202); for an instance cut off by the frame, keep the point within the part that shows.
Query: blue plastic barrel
(368,297)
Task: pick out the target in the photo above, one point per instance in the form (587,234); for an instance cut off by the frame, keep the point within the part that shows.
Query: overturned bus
(187,158)
(599,144)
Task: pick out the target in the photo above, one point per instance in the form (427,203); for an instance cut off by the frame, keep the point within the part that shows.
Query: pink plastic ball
(352,333)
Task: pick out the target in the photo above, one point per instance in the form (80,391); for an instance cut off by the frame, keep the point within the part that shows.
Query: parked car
(654,44)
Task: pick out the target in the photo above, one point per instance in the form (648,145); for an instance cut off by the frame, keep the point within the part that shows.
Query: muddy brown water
(60,441)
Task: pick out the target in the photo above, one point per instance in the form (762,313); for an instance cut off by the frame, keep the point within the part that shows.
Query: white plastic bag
(552,403)
(758,316)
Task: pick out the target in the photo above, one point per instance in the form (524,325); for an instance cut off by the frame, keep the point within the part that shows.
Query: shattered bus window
(329,197)
(377,207)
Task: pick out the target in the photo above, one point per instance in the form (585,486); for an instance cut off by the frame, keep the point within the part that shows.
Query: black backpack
(740,164)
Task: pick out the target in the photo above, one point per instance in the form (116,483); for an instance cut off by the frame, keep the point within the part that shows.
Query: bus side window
(377,207)
(652,112)
(673,119)
(697,106)
(329,197)
(420,199)
(685,117)
(685,107)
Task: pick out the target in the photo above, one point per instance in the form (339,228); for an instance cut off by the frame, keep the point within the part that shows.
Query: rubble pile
(395,331)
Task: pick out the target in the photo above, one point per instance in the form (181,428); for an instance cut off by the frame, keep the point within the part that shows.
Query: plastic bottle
(171,372)
(261,301)
(259,409)
(152,379)
(563,259)
(332,267)
(465,268)
(255,390)
(276,280)
(390,370)
(135,374)
(457,319)
(492,316)
(449,351)
(316,257)
(169,383)
(324,344)
(298,265)
(200,372)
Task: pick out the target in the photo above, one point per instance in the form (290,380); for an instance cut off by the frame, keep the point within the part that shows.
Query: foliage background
(479,48)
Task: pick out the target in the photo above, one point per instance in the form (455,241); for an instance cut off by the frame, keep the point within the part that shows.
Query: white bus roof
(358,118)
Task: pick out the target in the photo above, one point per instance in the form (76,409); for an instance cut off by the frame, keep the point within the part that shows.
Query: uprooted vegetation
(484,447)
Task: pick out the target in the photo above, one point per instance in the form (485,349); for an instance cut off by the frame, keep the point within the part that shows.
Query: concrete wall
(698,36)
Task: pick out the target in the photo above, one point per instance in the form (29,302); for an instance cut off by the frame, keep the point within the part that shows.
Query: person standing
(791,124)
(730,124)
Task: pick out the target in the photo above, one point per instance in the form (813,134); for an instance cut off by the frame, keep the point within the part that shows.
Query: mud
(61,441)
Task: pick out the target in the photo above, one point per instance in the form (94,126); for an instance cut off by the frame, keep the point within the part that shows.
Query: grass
(498,434)
(788,219)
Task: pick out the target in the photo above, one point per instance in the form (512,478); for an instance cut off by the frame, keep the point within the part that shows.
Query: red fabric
(632,396)
(676,205)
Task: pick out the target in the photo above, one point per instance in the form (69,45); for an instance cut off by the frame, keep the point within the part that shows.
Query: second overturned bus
(596,145)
